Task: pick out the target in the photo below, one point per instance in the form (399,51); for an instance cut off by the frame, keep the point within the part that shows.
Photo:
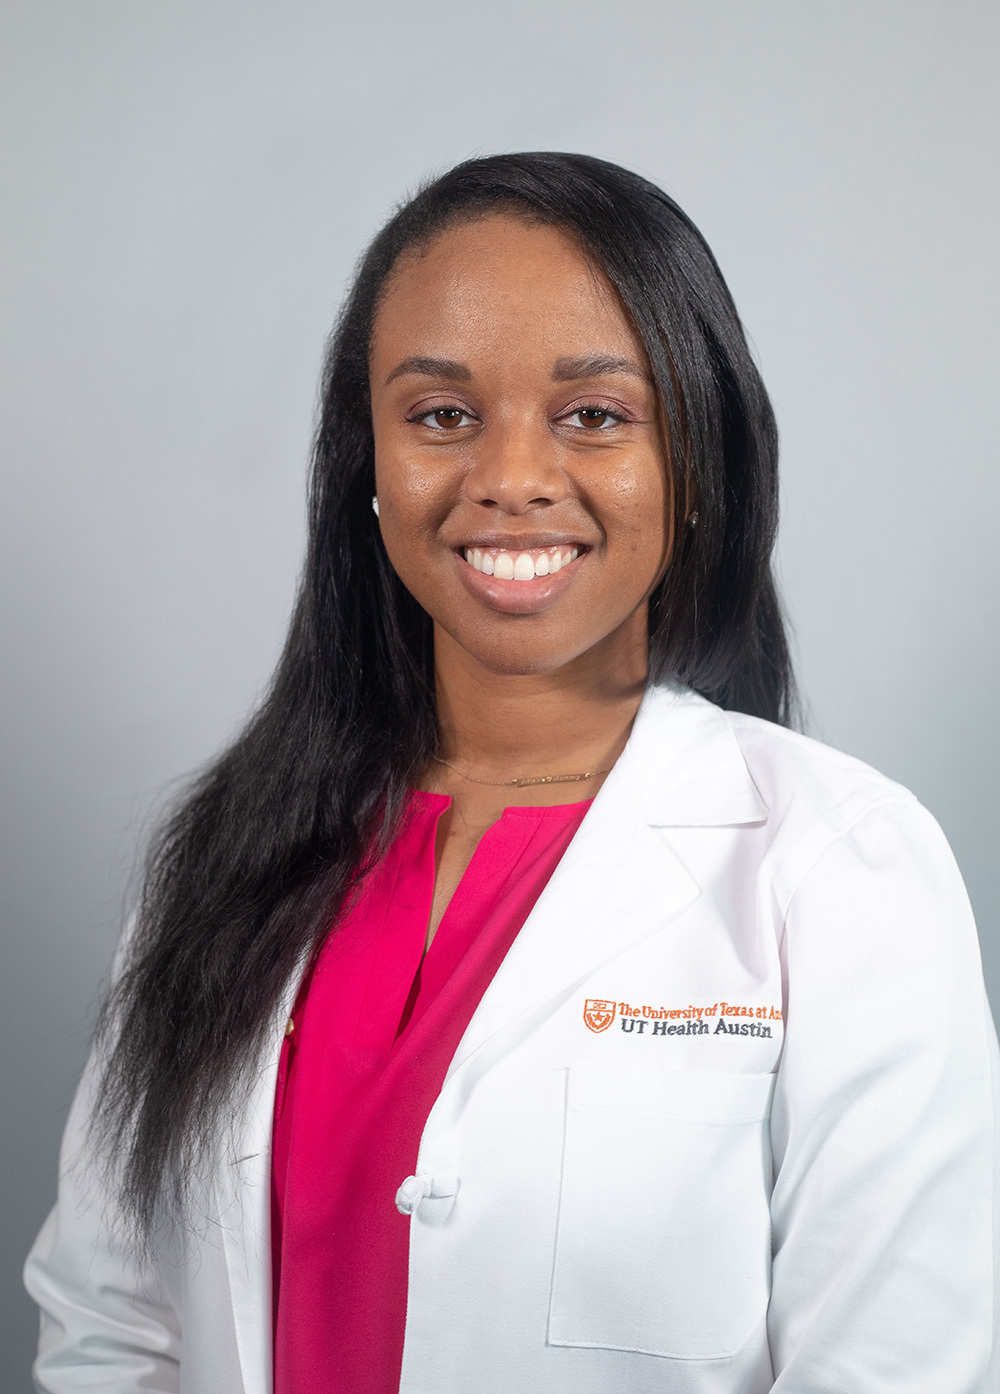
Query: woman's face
(520,465)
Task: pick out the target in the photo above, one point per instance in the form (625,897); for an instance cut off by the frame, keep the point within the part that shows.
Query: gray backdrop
(188,183)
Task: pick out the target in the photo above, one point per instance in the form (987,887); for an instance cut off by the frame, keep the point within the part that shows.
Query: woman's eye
(594,418)
(443,418)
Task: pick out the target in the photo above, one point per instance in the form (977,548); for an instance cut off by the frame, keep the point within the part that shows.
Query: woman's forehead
(499,281)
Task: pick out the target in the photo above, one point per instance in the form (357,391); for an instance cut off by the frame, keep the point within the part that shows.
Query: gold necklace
(526,780)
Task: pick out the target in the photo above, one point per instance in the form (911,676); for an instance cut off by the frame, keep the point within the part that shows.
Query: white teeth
(519,566)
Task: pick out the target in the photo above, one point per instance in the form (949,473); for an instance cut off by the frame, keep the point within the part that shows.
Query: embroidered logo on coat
(598,1014)
(713,1019)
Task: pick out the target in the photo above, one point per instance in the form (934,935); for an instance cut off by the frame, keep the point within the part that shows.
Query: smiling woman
(530,435)
(420,1071)
(551,464)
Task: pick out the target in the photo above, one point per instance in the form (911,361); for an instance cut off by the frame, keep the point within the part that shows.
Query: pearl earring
(692,522)
(375,504)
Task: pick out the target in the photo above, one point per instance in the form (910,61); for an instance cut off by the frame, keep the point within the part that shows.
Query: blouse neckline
(427,801)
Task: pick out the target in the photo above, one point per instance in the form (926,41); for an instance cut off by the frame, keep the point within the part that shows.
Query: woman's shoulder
(809,794)
(842,827)
(785,766)
(825,831)
(797,772)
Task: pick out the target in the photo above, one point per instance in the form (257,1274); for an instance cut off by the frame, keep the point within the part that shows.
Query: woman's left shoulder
(827,807)
(797,774)
(808,795)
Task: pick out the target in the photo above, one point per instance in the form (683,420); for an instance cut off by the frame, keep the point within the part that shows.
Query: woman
(518,1005)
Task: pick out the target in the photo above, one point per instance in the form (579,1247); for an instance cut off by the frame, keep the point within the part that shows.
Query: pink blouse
(375,1028)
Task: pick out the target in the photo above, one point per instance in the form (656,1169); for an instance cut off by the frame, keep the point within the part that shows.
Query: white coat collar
(687,764)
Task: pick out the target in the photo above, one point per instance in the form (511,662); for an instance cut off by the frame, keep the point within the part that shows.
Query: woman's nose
(515,468)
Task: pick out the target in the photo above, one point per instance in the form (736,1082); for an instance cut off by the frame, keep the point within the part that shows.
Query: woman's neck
(499,727)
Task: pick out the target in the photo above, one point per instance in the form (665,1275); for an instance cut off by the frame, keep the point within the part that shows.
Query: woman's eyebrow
(431,368)
(595,365)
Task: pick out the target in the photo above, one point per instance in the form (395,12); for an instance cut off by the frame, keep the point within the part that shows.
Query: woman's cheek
(416,494)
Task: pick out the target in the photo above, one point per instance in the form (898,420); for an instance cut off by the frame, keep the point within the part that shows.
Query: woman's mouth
(520,565)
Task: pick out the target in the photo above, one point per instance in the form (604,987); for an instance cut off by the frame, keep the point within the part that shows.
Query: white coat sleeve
(106,1323)
(883,1126)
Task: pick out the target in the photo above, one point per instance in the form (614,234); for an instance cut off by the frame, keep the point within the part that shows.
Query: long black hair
(256,862)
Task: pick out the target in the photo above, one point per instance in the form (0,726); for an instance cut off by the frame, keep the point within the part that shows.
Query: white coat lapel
(619,880)
(243,1200)
(603,897)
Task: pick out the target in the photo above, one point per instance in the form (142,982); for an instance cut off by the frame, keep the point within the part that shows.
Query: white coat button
(416,1188)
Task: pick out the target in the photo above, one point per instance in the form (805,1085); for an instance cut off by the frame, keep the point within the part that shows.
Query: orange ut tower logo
(598,1014)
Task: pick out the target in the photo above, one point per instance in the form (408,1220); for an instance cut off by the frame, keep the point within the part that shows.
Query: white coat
(722,1123)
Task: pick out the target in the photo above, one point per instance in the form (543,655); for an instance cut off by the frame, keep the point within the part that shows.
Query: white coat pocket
(663,1241)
